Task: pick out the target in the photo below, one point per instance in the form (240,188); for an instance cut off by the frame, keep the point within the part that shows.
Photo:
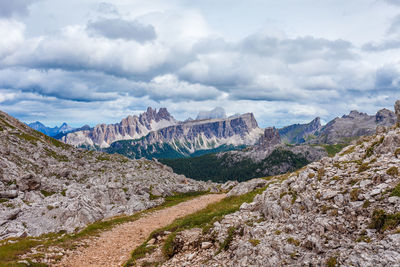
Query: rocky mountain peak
(270,137)
(385,116)
(397,110)
(131,127)
(355,114)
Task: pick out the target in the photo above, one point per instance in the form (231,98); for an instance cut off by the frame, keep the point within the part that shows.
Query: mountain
(300,133)
(48,186)
(191,138)
(339,211)
(63,129)
(356,124)
(132,127)
(216,113)
(268,157)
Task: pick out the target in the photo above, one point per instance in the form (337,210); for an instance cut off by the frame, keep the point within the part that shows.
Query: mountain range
(157,134)
(63,129)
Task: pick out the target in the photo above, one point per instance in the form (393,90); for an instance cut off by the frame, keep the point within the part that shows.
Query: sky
(288,61)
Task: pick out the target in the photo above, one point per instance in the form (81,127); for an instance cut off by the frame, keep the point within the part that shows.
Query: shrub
(254,242)
(354,194)
(393,171)
(293,241)
(228,240)
(331,262)
(382,221)
(396,191)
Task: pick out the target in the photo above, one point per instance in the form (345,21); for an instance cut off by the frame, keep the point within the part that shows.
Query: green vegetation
(204,219)
(354,194)
(363,167)
(331,262)
(348,151)
(370,150)
(293,241)
(46,193)
(332,150)
(396,191)
(133,149)
(393,171)
(382,221)
(220,169)
(10,252)
(397,152)
(254,242)
(228,240)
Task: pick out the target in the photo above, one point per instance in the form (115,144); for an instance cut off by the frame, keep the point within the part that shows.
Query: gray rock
(246,187)
(206,245)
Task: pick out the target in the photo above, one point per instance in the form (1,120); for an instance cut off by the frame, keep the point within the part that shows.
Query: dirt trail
(113,248)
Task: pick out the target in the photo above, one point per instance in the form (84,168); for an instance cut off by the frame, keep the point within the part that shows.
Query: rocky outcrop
(356,124)
(132,127)
(270,138)
(48,186)
(397,110)
(185,138)
(300,133)
(340,211)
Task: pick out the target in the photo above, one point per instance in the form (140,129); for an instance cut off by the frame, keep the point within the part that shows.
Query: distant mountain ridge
(186,138)
(131,127)
(38,126)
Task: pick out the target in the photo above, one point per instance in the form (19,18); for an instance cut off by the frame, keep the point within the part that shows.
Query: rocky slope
(340,211)
(268,157)
(356,124)
(186,138)
(132,127)
(300,133)
(48,186)
(63,129)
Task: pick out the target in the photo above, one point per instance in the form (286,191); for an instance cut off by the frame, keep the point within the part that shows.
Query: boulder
(247,186)
(28,182)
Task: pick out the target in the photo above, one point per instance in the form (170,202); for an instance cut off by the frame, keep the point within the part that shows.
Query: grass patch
(370,150)
(393,171)
(254,242)
(396,191)
(363,167)
(348,151)
(293,241)
(47,193)
(228,240)
(332,150)
(354,194)
(381,221)
(331,262)
(9,253)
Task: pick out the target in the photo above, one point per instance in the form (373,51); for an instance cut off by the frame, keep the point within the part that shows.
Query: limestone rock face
(270,137)
(48,186)
(187,137)
(131,127)
(356,124)
(397,110)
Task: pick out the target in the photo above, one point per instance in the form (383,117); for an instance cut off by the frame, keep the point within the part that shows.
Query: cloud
(383,46)
(10,8)
(170,87)
(393,2)
(12,33)
(122,29)
(107,8)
